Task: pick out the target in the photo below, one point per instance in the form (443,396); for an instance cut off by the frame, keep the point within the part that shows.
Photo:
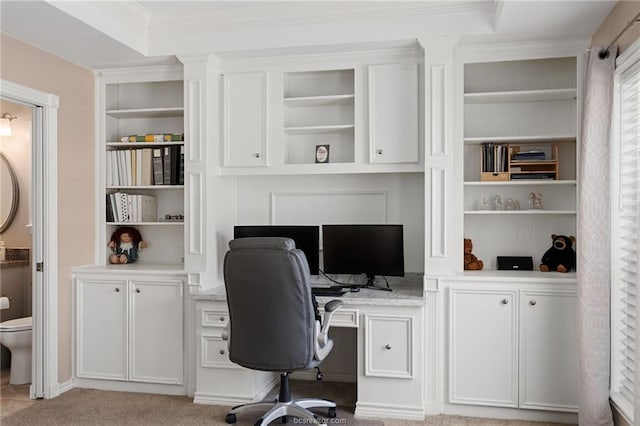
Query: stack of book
(531,155)
(145,166)
(494,158)
(131,208)
(154,137)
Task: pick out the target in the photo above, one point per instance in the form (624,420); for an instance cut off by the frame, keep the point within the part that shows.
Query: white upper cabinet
(245,119)
(393,113)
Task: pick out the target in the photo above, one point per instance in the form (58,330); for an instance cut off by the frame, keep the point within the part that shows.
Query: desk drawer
(215,353)
(344,317)
(214,318)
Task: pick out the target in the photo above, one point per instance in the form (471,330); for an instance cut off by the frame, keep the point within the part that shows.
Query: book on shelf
(145,166)
(154,137)
(123,208)
(166,166)
(158,177)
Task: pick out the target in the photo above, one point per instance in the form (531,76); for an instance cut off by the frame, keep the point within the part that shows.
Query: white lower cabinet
(218,380)
(513,347)
(129,329)
(483,338)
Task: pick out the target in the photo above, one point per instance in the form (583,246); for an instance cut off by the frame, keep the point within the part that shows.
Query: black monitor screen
(307,238)
(368,249)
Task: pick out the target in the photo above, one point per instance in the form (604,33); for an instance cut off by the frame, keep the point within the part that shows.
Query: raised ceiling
(117,33)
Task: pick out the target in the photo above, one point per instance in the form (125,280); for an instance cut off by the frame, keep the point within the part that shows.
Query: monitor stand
(370,284)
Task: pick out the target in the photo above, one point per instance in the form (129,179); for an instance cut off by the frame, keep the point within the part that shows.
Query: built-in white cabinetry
(129,328)
(362,111)
(319,110)
(513,345)
(483,341)
(548,350)
(141,148)
(218,380)
(393,113)
(245,119)
(510,107)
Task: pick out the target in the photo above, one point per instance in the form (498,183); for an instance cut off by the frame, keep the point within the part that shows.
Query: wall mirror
(9,193)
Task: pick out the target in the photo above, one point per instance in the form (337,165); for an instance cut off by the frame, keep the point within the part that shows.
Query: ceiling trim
(208,22)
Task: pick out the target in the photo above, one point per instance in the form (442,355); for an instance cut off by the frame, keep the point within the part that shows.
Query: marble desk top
(406,291)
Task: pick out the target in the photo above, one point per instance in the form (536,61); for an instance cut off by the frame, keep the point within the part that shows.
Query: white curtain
(593,243)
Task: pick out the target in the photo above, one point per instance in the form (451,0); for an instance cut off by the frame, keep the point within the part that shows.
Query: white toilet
(15,334)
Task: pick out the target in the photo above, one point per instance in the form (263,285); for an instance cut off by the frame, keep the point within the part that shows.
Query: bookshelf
(513,108)
(319,110)
(142,148)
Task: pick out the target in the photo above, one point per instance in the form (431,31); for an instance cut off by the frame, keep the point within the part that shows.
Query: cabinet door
(388,346)
(393,113)
(156,344)
(245,119)
(101,329)
(549,351)
(482,347)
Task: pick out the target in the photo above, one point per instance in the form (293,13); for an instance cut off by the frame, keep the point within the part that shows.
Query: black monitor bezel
(311,251)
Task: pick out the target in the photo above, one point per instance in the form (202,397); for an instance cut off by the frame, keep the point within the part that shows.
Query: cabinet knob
(222,319)
(504,301)
(221,351)
(387,347)
(380,152)
(137,290)
(257,155)
(117,289)
(532,302)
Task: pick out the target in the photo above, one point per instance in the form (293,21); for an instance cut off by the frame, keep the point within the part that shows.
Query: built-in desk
(389,327)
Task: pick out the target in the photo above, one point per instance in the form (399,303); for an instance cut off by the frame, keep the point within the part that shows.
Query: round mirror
(9,194)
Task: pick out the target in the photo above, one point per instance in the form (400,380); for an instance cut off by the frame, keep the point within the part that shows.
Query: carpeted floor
(89,407)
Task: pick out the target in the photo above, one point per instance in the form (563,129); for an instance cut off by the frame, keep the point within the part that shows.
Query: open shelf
(520,96)
(520,139)
(319,129)
(146,112)
(302,101)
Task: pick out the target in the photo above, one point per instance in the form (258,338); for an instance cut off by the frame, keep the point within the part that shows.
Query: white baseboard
(510,413)
(389,411)
(122,386)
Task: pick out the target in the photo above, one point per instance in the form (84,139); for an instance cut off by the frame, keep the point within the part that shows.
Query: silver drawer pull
(117,289)
(221,351)
(532,302)
(387,347)
(257,155)
(504,301)
(380,152)
(222,319)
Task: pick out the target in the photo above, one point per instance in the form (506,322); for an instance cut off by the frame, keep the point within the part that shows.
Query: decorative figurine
(532,200)
(497,202)
(126,243)
(537,203)
(484,204)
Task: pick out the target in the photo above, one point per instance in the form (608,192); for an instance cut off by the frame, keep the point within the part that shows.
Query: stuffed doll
(126,242)
(560,257)
(471,262)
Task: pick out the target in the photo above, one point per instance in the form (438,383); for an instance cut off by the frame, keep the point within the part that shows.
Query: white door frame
(44,176)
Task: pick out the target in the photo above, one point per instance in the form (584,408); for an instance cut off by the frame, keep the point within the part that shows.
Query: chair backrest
(270,306)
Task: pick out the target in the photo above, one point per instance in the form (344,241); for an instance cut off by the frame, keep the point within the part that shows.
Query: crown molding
(198,21)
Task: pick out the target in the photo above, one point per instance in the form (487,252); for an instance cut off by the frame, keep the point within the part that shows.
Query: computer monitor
(363,249)
(307,238)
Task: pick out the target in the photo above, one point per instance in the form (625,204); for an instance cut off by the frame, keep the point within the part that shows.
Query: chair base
(296,408)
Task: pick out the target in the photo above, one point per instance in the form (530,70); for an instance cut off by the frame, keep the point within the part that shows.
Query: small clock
(322,153)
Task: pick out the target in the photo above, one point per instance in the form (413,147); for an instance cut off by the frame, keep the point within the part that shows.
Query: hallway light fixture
(5,124)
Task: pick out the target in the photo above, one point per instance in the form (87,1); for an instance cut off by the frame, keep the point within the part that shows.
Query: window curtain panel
(593,243)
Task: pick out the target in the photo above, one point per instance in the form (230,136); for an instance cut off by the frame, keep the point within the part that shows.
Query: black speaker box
(515,263)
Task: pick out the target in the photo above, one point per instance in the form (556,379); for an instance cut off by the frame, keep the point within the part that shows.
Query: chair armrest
(323,344)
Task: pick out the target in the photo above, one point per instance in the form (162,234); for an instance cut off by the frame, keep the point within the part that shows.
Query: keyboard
(326,291)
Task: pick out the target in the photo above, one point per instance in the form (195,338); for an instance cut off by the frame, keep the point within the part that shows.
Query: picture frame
(322,153)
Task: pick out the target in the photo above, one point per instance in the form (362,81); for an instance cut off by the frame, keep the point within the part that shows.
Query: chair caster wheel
(319,376)
(258,423)
(332,412)
(230,418)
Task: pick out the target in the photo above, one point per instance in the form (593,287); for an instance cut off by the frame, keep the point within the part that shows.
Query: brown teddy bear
(471,262)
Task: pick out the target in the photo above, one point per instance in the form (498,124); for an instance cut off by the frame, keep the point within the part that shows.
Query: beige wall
(26,65)
(619,17)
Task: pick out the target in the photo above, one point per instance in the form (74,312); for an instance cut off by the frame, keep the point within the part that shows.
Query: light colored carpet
(80,407)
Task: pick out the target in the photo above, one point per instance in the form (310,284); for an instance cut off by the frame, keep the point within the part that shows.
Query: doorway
(43,224)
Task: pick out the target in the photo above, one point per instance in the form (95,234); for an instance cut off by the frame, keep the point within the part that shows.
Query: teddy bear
(471,262)
(560,257)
